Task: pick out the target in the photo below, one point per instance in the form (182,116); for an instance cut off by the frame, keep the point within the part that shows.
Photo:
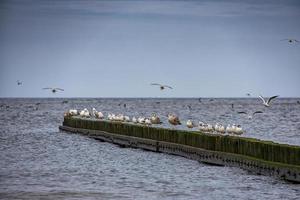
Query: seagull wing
(242,112)
(59,89)
(296,40)
(156,84)
(256,112)
(262,98)
(47,88)
(168,86)
(273,97)
(284,39)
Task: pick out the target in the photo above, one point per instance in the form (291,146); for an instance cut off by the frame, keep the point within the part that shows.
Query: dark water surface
(39,162)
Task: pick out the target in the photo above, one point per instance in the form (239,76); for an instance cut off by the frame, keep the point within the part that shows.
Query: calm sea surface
(37,161)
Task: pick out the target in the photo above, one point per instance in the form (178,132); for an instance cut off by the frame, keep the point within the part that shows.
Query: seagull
(267,103)
(53,90)
(155,119)
(173,119)
(19,82)
(290,40)
(162,87)
(250,116)
(248,94)
(190,124)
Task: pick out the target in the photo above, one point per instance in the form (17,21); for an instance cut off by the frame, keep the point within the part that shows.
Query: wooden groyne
(261,157)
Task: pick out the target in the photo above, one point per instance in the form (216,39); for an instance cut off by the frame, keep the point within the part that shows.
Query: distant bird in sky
(19,82)
(290,40)
(53,90)
(162,87)
(267,103)
(248,94)
(250,116)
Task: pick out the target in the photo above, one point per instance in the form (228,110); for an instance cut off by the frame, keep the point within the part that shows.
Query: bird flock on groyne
(155,119)
(172,119)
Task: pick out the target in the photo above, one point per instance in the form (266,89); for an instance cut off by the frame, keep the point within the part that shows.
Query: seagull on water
(290,40)
(250,116)
(53,90)
(162,87)
(267,103)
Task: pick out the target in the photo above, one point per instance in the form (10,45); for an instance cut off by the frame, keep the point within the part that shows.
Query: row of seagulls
(154,119)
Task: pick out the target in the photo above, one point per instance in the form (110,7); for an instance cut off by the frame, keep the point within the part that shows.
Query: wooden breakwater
(261,157)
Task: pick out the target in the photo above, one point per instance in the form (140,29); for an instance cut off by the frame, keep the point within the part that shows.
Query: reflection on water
(38,161)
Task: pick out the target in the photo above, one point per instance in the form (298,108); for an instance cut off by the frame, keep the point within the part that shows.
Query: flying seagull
(248,94)
(250,116)
(53,90)
(290,40)
(162,87)
(19,82)
(267,103)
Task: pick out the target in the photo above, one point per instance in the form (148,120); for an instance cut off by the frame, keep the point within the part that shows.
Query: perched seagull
(162,87)
(219,128)
(148,121)
(134,120)
(250,116)
(173,119)
(237,129)
(267,103)
(53,90)
(290,40)
(190,124)
(19,82)
(155,119)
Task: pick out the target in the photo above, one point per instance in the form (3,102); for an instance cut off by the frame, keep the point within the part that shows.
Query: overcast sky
(117,48)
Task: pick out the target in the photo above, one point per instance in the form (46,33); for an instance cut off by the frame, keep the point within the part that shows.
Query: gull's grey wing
(59,89)
(168,86)
(256,112)
(242,112)
(47,88)
(271,98)
(155,84)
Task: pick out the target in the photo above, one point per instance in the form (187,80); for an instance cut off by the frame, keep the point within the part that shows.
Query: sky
(116,48)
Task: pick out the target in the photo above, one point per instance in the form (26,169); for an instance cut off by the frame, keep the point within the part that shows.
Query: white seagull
(53,90)
(267,103)
(162,87)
